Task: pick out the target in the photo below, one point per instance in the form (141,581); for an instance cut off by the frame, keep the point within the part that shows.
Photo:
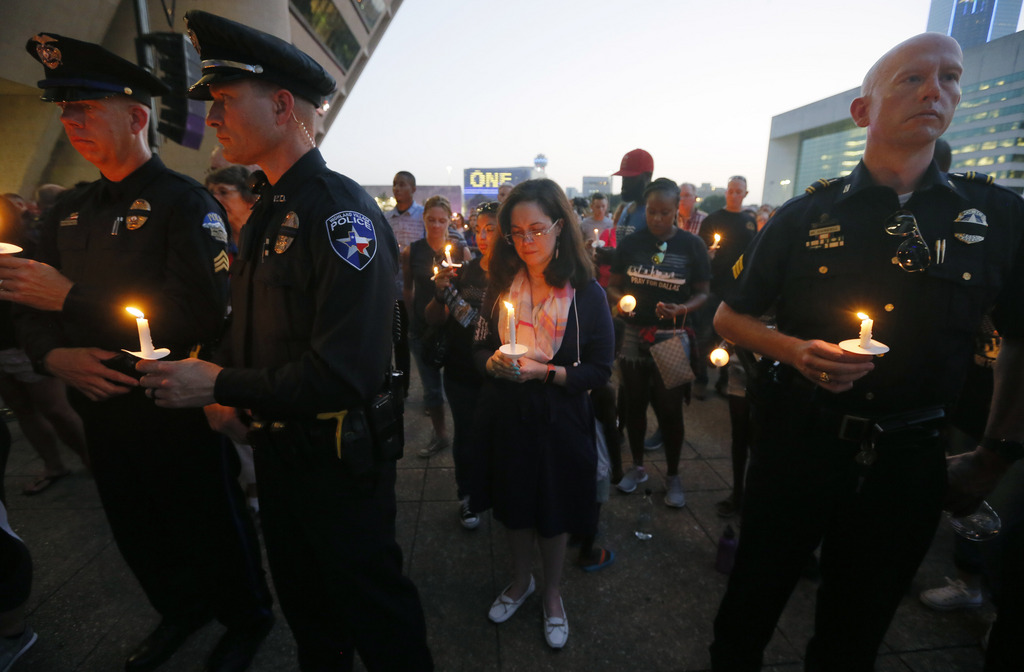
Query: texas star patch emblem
(352,237)
(970,226)
(213,223)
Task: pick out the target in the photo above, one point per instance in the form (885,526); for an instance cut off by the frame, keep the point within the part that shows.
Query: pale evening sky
(492,83)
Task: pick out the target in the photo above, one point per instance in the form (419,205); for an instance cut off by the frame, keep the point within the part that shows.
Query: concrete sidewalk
(652,610)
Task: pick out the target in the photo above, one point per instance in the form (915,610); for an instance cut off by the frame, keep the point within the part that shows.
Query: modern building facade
(592,184)
(986,135)
(974,22)
(340,34)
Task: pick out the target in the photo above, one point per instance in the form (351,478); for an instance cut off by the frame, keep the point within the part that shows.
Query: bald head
(883,68)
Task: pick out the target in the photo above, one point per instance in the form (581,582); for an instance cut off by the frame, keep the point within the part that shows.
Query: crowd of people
(292,310)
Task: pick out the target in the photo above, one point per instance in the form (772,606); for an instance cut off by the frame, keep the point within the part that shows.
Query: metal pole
(144,54)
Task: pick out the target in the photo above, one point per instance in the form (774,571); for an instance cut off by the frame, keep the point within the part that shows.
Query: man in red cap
(636,170)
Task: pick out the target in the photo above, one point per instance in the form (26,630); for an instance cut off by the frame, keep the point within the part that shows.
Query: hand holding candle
(597,239)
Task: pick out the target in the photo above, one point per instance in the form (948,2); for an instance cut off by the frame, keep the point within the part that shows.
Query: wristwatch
(549,377)
(1009,450)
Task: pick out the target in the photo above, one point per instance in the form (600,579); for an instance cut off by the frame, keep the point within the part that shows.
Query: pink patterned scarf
(539,328)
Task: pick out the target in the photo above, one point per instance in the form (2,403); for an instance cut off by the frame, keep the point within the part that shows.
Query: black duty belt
(338,417)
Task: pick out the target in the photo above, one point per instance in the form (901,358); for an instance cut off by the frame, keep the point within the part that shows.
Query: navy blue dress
(537,463)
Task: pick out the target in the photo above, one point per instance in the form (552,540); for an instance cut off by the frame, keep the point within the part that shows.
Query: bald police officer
(146,237)
(306,357)
(848,452)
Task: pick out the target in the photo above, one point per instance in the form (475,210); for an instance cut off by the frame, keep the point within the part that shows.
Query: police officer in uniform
(146,237)
(305,360)
(848,453)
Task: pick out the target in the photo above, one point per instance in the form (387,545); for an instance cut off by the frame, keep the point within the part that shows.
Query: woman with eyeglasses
(535,411)
(419,262)
(458,294)
(667,271)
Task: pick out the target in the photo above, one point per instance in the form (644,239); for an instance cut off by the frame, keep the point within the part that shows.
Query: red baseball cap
(635,162)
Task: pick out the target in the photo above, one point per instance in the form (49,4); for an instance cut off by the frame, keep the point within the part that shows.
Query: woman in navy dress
(535,412)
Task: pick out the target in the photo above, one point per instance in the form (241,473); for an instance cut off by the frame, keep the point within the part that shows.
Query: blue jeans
(433,396)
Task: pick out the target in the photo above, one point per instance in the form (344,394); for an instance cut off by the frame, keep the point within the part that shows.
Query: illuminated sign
(486,181)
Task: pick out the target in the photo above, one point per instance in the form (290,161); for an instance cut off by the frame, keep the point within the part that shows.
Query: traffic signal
(180,118)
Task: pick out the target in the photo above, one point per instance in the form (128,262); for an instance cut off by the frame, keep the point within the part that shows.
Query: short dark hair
(664,185)
(598,196)
(573,264)
(409,176)
(236,176)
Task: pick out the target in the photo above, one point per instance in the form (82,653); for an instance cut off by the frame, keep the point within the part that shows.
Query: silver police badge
(970,226)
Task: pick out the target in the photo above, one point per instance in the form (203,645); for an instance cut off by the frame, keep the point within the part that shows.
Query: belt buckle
(853,428)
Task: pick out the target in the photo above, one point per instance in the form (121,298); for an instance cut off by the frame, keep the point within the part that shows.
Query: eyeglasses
(488,208)
(913,254)
(659,256)
(532,236)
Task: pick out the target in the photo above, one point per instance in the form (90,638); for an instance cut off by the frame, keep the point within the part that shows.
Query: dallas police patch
(352,237)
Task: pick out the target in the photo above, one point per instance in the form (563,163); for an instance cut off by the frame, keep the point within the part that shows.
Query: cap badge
(48,54)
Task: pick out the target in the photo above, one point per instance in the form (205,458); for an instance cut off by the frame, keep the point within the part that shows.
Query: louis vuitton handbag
(672,357)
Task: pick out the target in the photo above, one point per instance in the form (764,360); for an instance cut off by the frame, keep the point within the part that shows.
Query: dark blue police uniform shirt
(826,256)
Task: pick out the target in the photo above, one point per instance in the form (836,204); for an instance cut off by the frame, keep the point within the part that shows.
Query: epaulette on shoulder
(822,184)
(972,176)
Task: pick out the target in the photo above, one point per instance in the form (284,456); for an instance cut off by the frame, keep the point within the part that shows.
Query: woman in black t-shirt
(667,271)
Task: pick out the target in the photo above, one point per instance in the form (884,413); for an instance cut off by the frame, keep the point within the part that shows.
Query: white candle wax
(865,330)
(145,337)
(448,253)
(511,324)
(596,237)
(718,239)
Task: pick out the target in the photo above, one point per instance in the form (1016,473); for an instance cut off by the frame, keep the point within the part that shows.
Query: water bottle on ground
(726,551)
(982,525)
(644,516)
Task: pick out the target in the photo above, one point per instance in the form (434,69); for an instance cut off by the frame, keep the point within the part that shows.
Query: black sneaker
(470,520)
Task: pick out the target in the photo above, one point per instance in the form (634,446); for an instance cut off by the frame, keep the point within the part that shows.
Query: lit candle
(595,235)
(145,338)
(436,270)
(718,239)
(865,330)
(511,324)
(448,253)
(719,357)
(627,303)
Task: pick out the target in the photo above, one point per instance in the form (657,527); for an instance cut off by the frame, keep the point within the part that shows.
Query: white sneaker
(632,478)
(674,496)
(955,595)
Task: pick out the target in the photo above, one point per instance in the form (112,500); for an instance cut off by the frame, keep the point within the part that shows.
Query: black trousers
(802,490)
(168,486)
(336,566)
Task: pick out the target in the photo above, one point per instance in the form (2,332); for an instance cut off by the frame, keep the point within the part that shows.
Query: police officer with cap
(146,237)
(305,360)
(848,453)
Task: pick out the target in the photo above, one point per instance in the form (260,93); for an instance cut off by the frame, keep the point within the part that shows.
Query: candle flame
(718,237)
(862,316)
(136,312)
(448,248)
(508,306)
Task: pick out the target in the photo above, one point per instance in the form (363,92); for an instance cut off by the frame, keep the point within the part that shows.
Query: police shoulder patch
(352,237)
(213,223)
